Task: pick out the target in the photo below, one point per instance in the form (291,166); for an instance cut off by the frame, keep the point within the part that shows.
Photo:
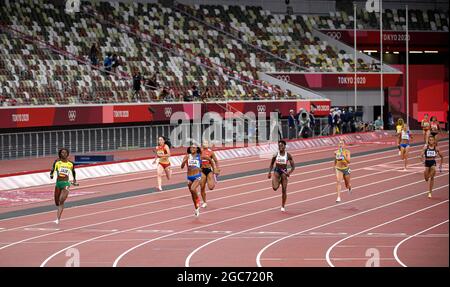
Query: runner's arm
(441,156)
(272,162)
(74,174)
(216,163)
(422,155)
(291,161)
(52,171)
(184,161)
(347,156)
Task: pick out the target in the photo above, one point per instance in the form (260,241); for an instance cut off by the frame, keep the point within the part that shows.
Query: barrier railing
(46,143)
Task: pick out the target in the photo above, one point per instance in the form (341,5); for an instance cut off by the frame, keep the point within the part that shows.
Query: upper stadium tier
(393,19)
(45,52)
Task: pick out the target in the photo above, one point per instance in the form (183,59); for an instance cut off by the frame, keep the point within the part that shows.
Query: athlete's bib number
(64,171)
(339,156)
(431,153)
(281,161)
(193,162)
(405,136)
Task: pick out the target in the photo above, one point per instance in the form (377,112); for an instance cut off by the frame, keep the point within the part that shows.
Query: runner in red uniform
(162,159)
(209,175)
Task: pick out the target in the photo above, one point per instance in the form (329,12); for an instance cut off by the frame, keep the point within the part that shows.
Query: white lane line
(215,190)
(409,237)
(258,257)
(327,254)
(184,217)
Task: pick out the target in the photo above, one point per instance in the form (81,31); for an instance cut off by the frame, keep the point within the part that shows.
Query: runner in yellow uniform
(63,168)
(341,165)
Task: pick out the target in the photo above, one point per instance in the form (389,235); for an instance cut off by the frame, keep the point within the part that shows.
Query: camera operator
(280,135)
(292,123)
(312,118)
(304,123)
(351,120)
(344,118)
(337,122)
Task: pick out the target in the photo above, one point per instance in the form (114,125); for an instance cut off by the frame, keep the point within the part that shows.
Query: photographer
(304,123)
(292,124)
(312,118)
(351,120)
(337,122)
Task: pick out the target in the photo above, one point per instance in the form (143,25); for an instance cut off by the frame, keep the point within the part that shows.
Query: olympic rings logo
(168,111)
(261,108)
(335,35)
(72,115)
(284,78)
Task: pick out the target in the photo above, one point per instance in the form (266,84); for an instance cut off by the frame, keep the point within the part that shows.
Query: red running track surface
(387,220)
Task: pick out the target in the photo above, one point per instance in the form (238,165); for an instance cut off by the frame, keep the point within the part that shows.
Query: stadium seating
(45,50)
(393,19)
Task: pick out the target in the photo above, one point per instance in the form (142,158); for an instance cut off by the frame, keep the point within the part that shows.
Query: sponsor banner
(322,108)
(51,116)
(17,117)
(370,39)
(335,81)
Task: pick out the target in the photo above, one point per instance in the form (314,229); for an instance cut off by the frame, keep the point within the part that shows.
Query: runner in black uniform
(428,156)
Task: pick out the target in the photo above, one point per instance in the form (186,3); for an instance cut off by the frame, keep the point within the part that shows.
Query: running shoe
(350,190)
(429,195)
(283,209)
(338,199)
(204,205)
(197,212)
(159,188)
(56,221)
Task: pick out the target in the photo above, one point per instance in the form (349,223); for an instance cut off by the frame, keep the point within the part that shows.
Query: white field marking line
(327,254)
(247,215)
(298,153)
(293,217)
(118,199)
(258,257)
(175,219)
(409,237)
(228,207)
(177,207)
(225,197)
(204,237)
(182,196)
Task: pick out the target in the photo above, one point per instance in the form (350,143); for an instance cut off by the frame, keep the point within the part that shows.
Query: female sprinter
(280,173)
(162,157)
(428,156)
(341,165)
(208,174)
(62,166)
(426,128)
(434,128)
(193,160)
(399,128)
(405,137)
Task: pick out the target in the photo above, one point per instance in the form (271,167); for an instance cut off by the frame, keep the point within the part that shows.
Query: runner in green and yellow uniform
(342,168)
(63,168)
